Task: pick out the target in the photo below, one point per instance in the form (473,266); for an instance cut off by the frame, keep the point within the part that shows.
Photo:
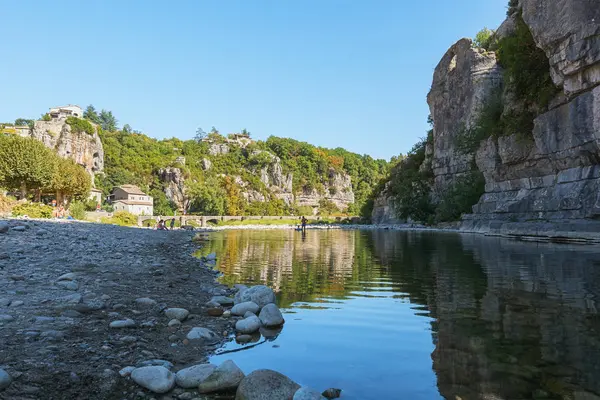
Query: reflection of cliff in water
(513,320)
(298,268)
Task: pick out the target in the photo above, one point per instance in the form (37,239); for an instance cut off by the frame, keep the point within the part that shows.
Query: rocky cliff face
(549,172)
(384,211)
(462,83)
(174,186)
(84,149)
(556,175)
(338,190)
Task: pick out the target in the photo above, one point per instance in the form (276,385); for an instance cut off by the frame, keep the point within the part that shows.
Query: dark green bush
(526,67)
(77,210)
(460,197)
(79,125)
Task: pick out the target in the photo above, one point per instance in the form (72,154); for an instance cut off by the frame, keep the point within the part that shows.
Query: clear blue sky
(348,73)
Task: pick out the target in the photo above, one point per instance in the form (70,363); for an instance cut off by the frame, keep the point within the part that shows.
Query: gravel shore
(81,301)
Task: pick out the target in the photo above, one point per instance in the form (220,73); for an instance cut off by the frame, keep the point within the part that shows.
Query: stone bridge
(203,220)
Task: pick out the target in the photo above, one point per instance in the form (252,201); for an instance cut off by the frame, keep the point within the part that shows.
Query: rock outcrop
(462,83)
(174,186)
(338,190)
(548,173)
(384,211)
(84,149)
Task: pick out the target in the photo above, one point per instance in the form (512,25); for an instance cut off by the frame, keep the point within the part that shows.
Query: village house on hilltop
(131,199)
(66,111)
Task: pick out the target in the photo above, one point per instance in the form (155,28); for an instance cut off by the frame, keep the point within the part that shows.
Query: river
(422,315)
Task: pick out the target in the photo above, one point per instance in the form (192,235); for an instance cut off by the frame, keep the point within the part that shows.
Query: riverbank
(65,283)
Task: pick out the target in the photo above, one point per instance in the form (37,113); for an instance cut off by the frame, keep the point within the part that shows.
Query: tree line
(31,169)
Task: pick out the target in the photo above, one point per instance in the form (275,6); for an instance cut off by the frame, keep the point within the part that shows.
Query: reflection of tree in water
(323,264)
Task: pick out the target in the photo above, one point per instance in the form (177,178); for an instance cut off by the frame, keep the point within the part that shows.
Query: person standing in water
(304,221)
(172,224)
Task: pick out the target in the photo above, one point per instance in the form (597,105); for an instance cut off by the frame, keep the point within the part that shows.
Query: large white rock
(265,384)
(243,308)
(155,378)
(194,375)
(248,325)
(260,294)
(270,316)
(205,334)
(177,313)
(226,376)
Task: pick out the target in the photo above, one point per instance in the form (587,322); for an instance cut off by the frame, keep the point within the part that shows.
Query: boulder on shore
(265,384)
(306,393)
(5,379)
(248,325)
(260,294)
(193,376)
(177,313)
(243,308)
(154,378)
(226,376)
(270,316)
(205,334)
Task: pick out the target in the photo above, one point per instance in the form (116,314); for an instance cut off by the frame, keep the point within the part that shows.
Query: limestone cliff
(546,165)
(83,148)
(174,186)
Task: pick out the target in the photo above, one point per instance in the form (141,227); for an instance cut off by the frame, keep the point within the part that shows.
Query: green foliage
(208,198)
(107,121)
(79,125)
(122,218)
(411,188)
(162,205)
(327,207)
(513,7)
(526,67)
(77,210)
(46,117)
(460,197)
(23,122)
(25,163)
(89,204)
(484,39)
(488,123)
(91,115)
(32,210)
(70,179)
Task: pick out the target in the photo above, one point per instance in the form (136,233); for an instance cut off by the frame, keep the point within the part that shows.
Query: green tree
(207,198)
(200,135)
(484,39)
(25,164)
(127,128)
(70,181)
(91,115)
(108,122)
(23,122)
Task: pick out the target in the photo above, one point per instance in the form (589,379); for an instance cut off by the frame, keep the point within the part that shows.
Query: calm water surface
(413,315)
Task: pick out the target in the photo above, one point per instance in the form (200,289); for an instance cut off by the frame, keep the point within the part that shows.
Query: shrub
(122,218)
(484,39)
(6,203)
(327,207)
(488,123)
(79,125)
(46,117)
(32,210)
(77,210)
(513,7)
(460,197)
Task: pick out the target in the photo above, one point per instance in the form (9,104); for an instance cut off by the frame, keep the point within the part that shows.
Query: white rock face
(154,378)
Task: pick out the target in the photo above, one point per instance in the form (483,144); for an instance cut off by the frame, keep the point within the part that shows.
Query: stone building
(131,199)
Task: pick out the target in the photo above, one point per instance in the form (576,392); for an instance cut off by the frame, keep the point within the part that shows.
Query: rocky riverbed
(79,302)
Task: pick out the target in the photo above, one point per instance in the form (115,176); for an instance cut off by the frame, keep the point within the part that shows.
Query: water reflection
(388,314)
